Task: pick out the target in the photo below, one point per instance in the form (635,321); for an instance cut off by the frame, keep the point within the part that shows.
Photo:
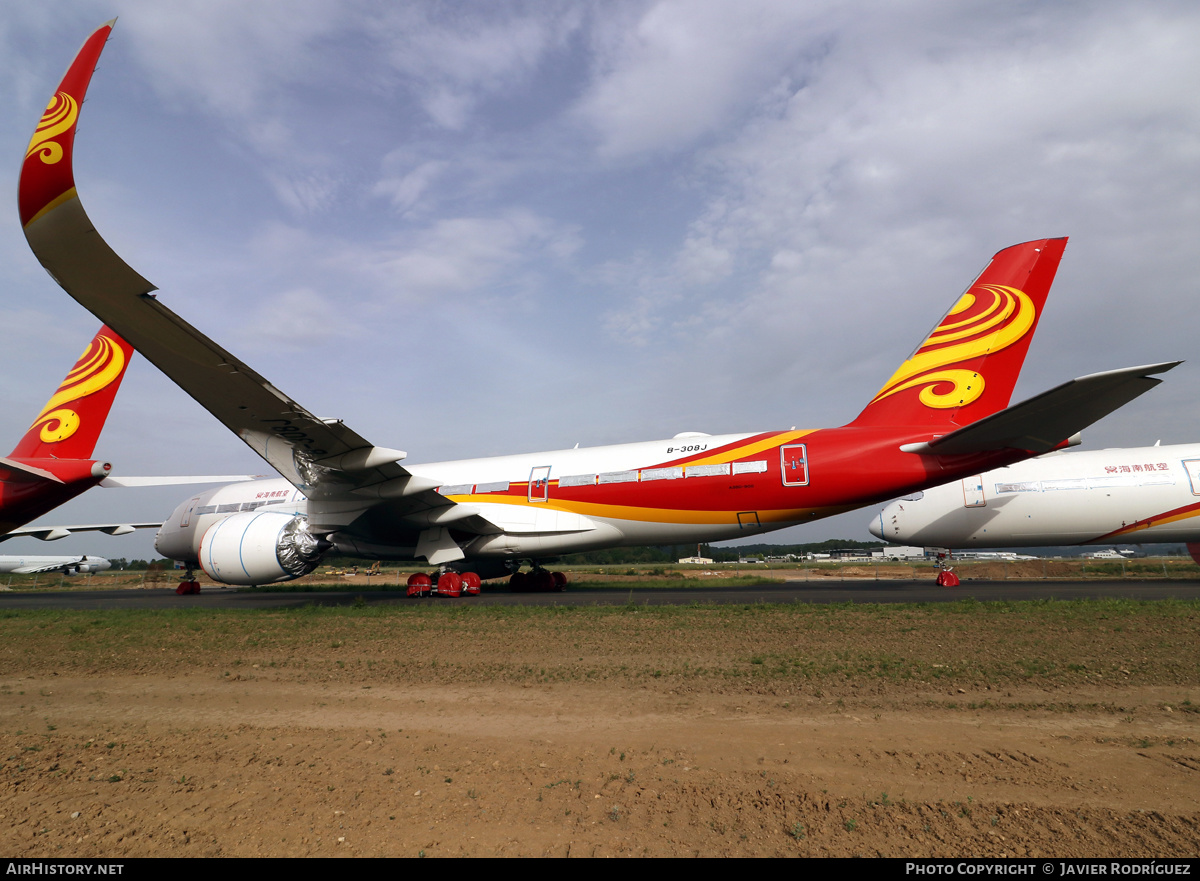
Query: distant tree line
(612,556)
(672,553)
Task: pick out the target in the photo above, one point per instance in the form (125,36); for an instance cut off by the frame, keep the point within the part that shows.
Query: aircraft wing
(1043,422)
(323,458)
(53,533)
(56,565)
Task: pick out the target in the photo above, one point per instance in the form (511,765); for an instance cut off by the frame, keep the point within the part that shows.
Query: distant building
(704,560)
(847,554)
(899,553)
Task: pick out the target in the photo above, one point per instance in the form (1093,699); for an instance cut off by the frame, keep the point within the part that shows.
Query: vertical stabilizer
(70,423)
(968,366)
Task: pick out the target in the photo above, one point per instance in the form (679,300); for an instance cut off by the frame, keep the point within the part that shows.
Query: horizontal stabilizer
(177,480)
(1044,422)
(26,468)
(53,533)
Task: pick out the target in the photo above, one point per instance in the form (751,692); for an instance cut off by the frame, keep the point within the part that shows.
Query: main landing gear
(454,584)
(444,584)
(537,580)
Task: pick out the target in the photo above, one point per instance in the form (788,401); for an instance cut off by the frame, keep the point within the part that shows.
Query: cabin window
(618,477)
(577,480)
(721,470)
(499,486)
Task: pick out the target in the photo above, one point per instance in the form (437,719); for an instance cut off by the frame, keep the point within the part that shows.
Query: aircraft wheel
(419,584)
(519,582)
(560,580)
(471,584)
(450,584)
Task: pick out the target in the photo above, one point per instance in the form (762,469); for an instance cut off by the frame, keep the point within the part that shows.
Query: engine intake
(260,547)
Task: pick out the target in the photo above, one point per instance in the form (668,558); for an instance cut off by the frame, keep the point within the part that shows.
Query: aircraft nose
(886,525)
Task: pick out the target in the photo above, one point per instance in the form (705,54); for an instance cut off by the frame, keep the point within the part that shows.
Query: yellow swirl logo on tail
(101,363)
(60,115)
(986,319)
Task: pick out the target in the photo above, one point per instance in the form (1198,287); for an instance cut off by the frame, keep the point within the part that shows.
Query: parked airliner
(80,564)
(943,415)
(1140,494)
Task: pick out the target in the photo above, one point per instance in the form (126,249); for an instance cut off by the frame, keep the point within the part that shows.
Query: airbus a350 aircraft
(940,417)
(1141,494)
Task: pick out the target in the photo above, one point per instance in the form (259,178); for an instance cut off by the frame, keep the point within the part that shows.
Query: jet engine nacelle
(259,547)
(90,564)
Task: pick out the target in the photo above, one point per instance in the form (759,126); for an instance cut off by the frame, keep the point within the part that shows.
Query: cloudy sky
(480,228)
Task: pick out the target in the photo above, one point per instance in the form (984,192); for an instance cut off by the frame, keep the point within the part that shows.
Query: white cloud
(406,186)
(468,255)
(684,69)
(456,56)
(295,320)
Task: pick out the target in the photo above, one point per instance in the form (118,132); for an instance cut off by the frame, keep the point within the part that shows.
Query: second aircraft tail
(70,423)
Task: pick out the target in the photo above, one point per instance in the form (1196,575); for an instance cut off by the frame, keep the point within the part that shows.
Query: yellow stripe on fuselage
(1152,522)
(638,513)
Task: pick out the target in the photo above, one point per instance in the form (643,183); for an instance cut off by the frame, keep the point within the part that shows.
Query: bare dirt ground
(1045,732)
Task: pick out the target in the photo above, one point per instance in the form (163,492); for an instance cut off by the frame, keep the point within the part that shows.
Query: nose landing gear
(189,584)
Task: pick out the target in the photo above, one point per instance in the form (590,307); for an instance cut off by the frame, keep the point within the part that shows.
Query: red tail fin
(967,367)
(70,423)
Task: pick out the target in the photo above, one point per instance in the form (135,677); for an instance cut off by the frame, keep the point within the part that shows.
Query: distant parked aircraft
(67,565)
(1138,494)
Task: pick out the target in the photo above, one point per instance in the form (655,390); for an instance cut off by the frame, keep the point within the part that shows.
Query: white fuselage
(527,529)
(1139,494)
